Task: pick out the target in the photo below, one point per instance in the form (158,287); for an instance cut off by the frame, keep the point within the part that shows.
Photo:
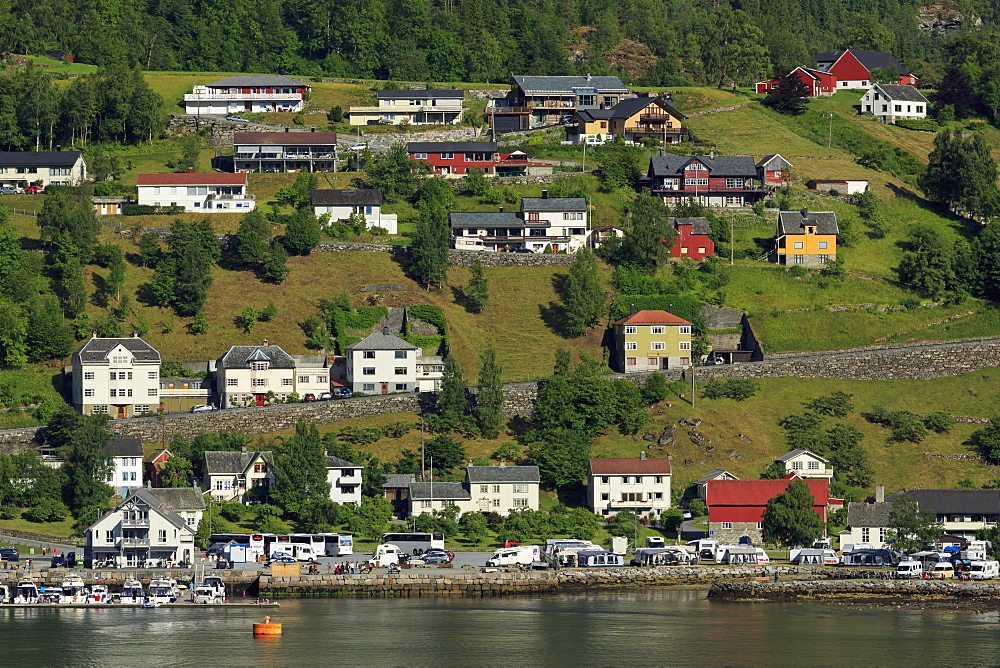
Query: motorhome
(132,593)
(524,555)
(655,541)
(910,569)
(705,548)
(745,555)
(674,555)
(813,557)
(386,554)
(599,559)
(943,570)
(984,570)
(297,551)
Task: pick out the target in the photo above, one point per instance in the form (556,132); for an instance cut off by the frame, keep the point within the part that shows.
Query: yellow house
(807,238)
(633,119)
(652,340)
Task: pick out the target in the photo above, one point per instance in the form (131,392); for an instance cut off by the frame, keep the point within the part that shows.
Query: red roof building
(692,239)
(821,84)
(194,192)
(638,485)
(736,507)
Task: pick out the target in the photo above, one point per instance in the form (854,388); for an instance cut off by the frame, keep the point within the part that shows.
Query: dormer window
(810,229)
(258,366)
(696,167)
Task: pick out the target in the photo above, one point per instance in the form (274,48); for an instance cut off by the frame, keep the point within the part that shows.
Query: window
(152,392)
(114,375)
(798,259)
(447,156)
(813,466)
(425,504)
(605,479)
(131,475)
(629,361)
(684,329)
(89,392)
(368,387)
(658,495)
(232,382)
(630,329)
(685,361)
(796,466)
(368,354)
(88,375)
(322,379)
(400,371)
(368,371)
(163,535)
(882,534)
(920,108)
(142,409)
(823,259)
(696,167)
(419,156)
(824,244)
(727,525)
(109,536)
(656,329)
(658,345)
(658,479)
(484,489)
(303,379)
(898,107)
(604,496)
(734,183)
(258,366)
(124,476)
(638,480)
(152,375)
(578,215)
(865,534)
(496,503)
(625,480)
(288,381)
(401,387)
(99,410)
(520,489)
(520,503)
(696,182)
(260,467)
(258,382)
(684,345)
(798,245)
(400,354)
(496,489)
(734,201)
(631,345)
(653,361)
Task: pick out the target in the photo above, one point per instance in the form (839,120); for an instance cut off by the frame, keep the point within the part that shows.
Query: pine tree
(276,268)
(300,469)
(48,336)
(452,399)
(489,401)
(116,272)
(302,233)
(477,292)
(584,299)
(252,241)
(429,250)
(88,465)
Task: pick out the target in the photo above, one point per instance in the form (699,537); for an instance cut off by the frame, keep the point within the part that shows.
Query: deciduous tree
(789,518)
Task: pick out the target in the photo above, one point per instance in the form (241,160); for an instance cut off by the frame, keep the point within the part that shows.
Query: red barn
(736,507)
(773,170)
(693,239)
(853,67)
(821,84)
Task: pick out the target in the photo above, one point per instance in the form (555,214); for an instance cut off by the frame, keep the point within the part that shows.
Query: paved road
(62,547)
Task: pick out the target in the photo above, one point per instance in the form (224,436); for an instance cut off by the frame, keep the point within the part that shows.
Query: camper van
(509,556)
(386,554)
(984,570)
(943,570)
(654,541)
(705,548)
(297,551)
(909,569)
(745,555)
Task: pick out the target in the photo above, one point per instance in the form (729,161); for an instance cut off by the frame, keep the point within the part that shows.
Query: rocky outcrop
(911,590)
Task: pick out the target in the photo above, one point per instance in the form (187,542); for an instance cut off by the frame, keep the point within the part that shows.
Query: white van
(296,551)
(509,556)
(984,570)
(909,569)
(386,554)
(943,570)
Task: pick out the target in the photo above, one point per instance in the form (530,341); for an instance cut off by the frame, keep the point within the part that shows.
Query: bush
(397,429)
(360,435)
(939,422)
(429,314)
(47,510)
(797,271)
(234,512)
(738,389)
(698,508)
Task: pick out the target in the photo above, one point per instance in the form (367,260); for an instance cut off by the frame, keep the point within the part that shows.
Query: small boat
(26,592)
(50,595)
(163,590)
(132,593)
(4,594)
(212,586)
(99,594)
(73,591)
(150,604)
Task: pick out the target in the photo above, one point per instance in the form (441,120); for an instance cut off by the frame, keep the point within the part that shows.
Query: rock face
(855,589)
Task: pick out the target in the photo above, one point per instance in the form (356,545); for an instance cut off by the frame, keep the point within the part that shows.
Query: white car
(237,119)
(356,147)
(203,408)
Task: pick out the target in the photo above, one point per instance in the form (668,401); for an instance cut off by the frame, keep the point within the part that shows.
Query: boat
(132,593)
(4,594)
(50,595)
(150,605)
(163,590)
(26,592)
(203,594)
(99,594)
(73,591)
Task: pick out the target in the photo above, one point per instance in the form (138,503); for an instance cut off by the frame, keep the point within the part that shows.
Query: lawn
(53,66)
(63,529)
(750,131)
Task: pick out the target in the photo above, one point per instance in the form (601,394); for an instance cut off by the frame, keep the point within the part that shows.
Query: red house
(821,84)
(773,170)
(693,239)
(153,462)
(455,159)
(853,67)
(736,507)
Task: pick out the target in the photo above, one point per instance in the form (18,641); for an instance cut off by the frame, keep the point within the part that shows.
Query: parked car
(686,514)
(203,408)
(9,554)
(325,396)
(237,119)
(35,190)
(342,393)
(435,558)
(10,190)
(357,147)
(281,559)
(566,118)
(308,397)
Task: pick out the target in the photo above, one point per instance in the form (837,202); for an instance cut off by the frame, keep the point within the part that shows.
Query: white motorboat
(74,591)
(132,593)
(163,590)
(99,594)
(26,592)
(50,595)
(4,594)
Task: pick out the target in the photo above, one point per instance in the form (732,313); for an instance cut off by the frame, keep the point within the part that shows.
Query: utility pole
(732,243)
(829,137)
(692,380)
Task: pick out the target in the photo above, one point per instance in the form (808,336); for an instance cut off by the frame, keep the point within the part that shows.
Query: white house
(806,464)
(215,193)
(119,377)
(543,223)
(127,463)
(238,476)
(23,168)
(345,480)
(258,375)
(867,523)
(430,371)
(341,204)
(715,474)
(382,363)
(890,103)
(640,486)
(141,528)
(498,489)
(247,93)
(284,151)
(416,107)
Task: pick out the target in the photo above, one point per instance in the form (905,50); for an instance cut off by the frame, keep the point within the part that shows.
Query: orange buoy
(266,628)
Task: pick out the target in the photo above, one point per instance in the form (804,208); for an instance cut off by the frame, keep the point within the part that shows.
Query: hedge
(924,124)
(363,318)
(683,306)
(430,345)
(430,314)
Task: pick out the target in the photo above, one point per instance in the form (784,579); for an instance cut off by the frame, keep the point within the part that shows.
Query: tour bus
(408,541)
(256,543)
(314,540)
(338,544)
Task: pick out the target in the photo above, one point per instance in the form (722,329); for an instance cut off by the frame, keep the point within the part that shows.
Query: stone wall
(889,590)
(386,139)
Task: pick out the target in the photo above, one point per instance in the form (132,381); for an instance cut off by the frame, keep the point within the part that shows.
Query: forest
(651,42)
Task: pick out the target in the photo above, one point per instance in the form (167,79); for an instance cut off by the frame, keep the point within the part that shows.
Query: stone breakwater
(860,590)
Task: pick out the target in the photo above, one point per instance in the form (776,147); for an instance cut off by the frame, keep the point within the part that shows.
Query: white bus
(338,544)
(408,541)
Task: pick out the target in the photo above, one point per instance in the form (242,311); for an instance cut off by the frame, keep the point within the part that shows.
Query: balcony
(221,196)
(135,542)
(136,522)
(508,110)
(655,130)
(239,97)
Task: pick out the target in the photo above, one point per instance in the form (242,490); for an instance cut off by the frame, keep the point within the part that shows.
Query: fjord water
(663,627)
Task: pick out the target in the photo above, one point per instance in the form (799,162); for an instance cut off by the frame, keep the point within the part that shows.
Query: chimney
(503,463)
(501,209)
(190,170)
(805,212)
(711,154)
(642,455)
(588,76)
(631,309)
(265,343)
(286,129)
(312,129)
(670,308)
(385,330)
(545,194)
(879,493)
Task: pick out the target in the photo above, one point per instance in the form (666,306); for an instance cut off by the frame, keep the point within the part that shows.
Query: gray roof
(486,219)
(794,222)
(356,197)
(795,453)
(530,84)
(157,504)
(269,80)
(479,474)
(39,158)
(870,59)
(439,490)
(179,499)
(338,463)
(311,361)
(451,147)
(698,225)
(96,350)
(722,166)
(420,94)
(124,447)
(902,93)
(396,480)
(589,115)
(954,501)
(553,204)
(239,357)
(632,105)
(773,161)
(860,514)
(222,462)
(381,341)
(712,475)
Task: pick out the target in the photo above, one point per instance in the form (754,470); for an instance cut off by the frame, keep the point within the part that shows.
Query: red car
(34,190)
